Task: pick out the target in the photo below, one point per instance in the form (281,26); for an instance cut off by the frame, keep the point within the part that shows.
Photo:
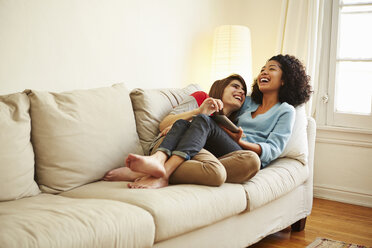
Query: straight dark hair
(218,87)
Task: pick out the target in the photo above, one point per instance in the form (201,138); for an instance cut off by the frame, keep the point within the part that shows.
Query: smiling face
(270,77)
(233,96)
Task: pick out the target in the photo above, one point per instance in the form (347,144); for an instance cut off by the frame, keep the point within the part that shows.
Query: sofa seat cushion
(176,209)
(54,221)
(274,181)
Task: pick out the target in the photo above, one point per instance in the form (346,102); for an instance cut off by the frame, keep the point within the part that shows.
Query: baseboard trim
(341,195)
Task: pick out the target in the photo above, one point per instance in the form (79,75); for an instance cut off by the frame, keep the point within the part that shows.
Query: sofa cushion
(176,209)
(80,135)
(297,147)
(151,106)
(54,221)
(274,181)
(16,153)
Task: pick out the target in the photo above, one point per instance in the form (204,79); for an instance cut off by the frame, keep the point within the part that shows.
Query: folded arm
(208,107)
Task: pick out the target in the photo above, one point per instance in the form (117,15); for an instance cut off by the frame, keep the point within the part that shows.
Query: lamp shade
(232,52)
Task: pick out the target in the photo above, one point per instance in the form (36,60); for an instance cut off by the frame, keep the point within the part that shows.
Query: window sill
(344,136)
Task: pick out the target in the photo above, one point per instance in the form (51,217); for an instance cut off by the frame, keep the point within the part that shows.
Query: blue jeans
(186,139)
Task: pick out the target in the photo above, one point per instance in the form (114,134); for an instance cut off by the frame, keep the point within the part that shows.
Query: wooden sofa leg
(299,225)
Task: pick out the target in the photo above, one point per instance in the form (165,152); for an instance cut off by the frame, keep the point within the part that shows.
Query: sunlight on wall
(63,45)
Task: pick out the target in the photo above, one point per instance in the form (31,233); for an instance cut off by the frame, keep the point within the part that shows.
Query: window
(350,65)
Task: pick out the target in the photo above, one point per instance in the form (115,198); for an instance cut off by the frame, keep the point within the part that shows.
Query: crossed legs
(154,171)
(203,169)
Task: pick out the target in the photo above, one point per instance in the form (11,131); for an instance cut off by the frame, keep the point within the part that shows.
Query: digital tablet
(224,121)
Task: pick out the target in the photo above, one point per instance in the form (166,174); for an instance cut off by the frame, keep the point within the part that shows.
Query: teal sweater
(270,130)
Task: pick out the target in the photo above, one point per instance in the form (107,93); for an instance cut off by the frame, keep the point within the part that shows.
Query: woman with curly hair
(267,116)
(265,119)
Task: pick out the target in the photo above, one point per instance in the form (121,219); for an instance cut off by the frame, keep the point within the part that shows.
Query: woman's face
(233,95)
(270,77)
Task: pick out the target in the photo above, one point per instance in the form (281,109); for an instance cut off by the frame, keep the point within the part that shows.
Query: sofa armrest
(311,134)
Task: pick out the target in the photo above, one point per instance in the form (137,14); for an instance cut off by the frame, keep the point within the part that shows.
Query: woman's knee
(212,168)
(216,173)
(241,165)
(181,123)
(203,169)
(201,119)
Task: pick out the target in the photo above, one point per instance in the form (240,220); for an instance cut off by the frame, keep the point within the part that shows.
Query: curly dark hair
(296,89)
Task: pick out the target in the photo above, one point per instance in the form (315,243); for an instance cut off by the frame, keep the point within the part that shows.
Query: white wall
(342,169)
(62,45)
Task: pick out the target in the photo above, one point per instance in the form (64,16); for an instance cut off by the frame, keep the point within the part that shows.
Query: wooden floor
(329,219)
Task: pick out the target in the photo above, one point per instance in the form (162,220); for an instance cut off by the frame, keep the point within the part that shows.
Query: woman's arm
(170,119)
(208,107)
(244,144)
(278,137)
(276,140)
(251,146)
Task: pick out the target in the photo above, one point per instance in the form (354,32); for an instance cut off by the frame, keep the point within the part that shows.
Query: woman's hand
(244,144)
(210,105)
(166,130)
(235,136)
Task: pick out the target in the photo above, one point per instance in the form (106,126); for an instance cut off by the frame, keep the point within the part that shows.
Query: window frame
(332,117)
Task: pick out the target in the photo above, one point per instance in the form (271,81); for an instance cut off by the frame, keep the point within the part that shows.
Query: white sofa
(55,148)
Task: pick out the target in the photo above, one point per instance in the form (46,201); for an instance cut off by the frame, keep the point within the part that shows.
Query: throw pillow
(151,106)
(80,135)
(16,153)
(297,146)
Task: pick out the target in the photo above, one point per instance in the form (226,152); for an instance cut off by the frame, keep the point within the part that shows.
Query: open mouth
(264,80)
(238,97)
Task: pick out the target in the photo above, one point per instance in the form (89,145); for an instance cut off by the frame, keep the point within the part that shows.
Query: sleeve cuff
(264,154)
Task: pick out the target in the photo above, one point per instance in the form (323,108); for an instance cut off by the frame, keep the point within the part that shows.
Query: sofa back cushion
(152,105)
(297,146)
(16,153)
(79,135)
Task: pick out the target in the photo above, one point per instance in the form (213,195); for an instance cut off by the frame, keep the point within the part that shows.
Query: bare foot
(151,165)
(149,182)
(122,174)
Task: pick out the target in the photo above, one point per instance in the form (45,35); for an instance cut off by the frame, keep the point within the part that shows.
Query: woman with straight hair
(226,96)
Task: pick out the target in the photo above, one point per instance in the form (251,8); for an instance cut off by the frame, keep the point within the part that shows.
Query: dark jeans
(186,139)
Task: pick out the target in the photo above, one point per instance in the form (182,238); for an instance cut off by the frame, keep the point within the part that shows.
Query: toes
(109,175)
(133,185)
(127,162)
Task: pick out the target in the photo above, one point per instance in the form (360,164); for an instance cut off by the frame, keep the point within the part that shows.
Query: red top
(200,96)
